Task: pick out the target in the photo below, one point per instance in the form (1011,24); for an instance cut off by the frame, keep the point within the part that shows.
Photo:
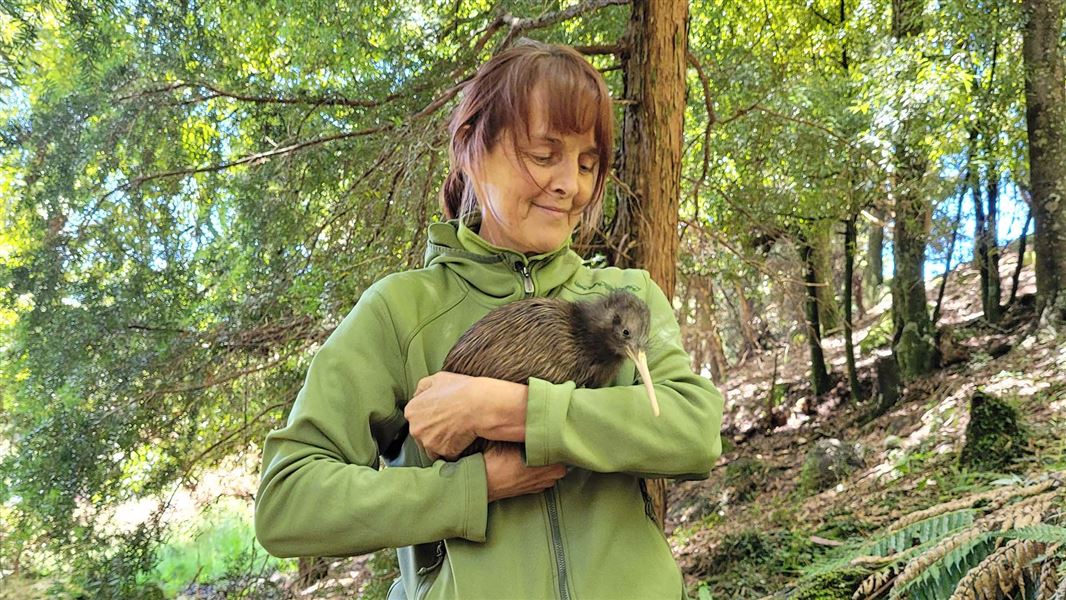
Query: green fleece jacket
(324,491)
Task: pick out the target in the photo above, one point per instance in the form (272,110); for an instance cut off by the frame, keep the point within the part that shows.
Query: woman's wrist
(501,415)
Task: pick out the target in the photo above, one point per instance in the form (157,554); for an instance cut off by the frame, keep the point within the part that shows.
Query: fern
(926,530)
(937,572)
(1048,534)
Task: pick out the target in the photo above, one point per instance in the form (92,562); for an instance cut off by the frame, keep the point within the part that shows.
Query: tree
(645,223)
(1045,115)
(914,345)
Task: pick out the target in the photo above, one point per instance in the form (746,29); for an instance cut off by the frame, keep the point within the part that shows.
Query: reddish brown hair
(497,102)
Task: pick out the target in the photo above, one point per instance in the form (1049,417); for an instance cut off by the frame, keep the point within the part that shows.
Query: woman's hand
(441,414)
(449,410)
(508,475)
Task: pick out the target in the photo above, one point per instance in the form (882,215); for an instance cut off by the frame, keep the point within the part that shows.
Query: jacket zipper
(527,277)
(557,543)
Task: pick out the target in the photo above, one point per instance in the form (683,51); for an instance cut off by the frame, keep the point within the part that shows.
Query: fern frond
(1001,571)
(1060,591)
(934,527)
(1024,513)
(1049,534)
(876,583)
(1049,577)
(945,563)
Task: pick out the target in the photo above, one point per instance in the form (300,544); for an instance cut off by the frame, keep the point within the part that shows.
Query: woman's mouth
(553,211)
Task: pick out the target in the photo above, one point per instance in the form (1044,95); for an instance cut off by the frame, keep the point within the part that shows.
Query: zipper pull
(527,277)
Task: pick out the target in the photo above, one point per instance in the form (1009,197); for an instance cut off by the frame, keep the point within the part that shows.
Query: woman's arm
(613,429)
(606,430)
(321,492)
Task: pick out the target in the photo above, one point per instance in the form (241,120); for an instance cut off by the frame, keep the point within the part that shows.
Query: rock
(892,442)
(995,436)
(951,351)
(828,463)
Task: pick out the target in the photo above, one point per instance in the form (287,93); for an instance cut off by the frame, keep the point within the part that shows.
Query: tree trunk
(1045,117)
(654,72)
(1021,258)
(746,320)
(915,345)
(819,376)
(874,274)
(849,281)
(707,321)
(991,293)
(822,240)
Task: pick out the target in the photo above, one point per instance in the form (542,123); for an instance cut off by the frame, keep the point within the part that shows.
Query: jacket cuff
(477,497)
(546,409)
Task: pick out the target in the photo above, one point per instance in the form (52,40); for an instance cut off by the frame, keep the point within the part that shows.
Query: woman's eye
(588,168)
(541,159)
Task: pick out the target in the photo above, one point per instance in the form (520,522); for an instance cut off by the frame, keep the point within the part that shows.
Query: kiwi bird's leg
(641,360)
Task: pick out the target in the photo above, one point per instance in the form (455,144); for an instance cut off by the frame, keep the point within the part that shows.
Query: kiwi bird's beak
(641,360)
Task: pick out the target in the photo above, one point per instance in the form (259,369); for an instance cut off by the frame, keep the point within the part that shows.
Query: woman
(530,150)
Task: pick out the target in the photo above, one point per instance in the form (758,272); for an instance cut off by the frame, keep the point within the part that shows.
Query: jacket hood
(496,271)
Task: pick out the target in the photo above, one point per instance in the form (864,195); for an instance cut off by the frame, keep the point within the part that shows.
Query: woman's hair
(498,99)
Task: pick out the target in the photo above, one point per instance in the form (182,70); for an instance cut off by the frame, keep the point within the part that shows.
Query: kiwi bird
(557,341)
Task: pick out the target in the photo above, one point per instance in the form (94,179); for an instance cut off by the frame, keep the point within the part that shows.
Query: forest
(857,207)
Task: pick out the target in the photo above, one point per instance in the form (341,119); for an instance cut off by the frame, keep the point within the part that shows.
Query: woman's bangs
(574,104)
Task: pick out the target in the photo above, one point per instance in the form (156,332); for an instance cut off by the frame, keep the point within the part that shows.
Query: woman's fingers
(508,476)
(438,414)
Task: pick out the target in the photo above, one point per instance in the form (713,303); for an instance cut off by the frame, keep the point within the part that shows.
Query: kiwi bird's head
(622,324)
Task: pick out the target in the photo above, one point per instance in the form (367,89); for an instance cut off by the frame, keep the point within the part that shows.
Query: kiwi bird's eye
(625,333)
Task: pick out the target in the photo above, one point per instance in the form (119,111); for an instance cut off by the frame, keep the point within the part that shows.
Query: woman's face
(535,213)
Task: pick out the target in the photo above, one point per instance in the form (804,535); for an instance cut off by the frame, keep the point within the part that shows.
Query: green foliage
(1048,534)
(879,335)
(384,569)
(922,532)
(836,585)
(753,563)
(218,547)
(939,579)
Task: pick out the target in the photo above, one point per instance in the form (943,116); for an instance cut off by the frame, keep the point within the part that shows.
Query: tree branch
(217,92)
(518,26)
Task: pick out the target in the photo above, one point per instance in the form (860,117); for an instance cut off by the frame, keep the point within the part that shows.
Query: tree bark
(915,345)
(849,280)
(1045,116)
(746,320)
(1021,258)
(874,274)
(822,246)
(646,219)
(819,375)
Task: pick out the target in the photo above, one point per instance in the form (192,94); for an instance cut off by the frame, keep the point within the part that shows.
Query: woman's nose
(564,180)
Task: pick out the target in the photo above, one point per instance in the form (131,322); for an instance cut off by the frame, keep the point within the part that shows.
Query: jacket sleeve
(321,492)
(612,429)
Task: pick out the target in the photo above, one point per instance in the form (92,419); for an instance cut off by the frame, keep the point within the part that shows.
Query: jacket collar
(493,270)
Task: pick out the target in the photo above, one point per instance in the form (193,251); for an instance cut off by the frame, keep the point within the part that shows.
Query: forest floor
(752,529)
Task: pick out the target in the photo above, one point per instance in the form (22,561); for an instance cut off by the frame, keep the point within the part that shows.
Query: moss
(879,336)
(916,353)
(995,436)
(835,585)
(749,546)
